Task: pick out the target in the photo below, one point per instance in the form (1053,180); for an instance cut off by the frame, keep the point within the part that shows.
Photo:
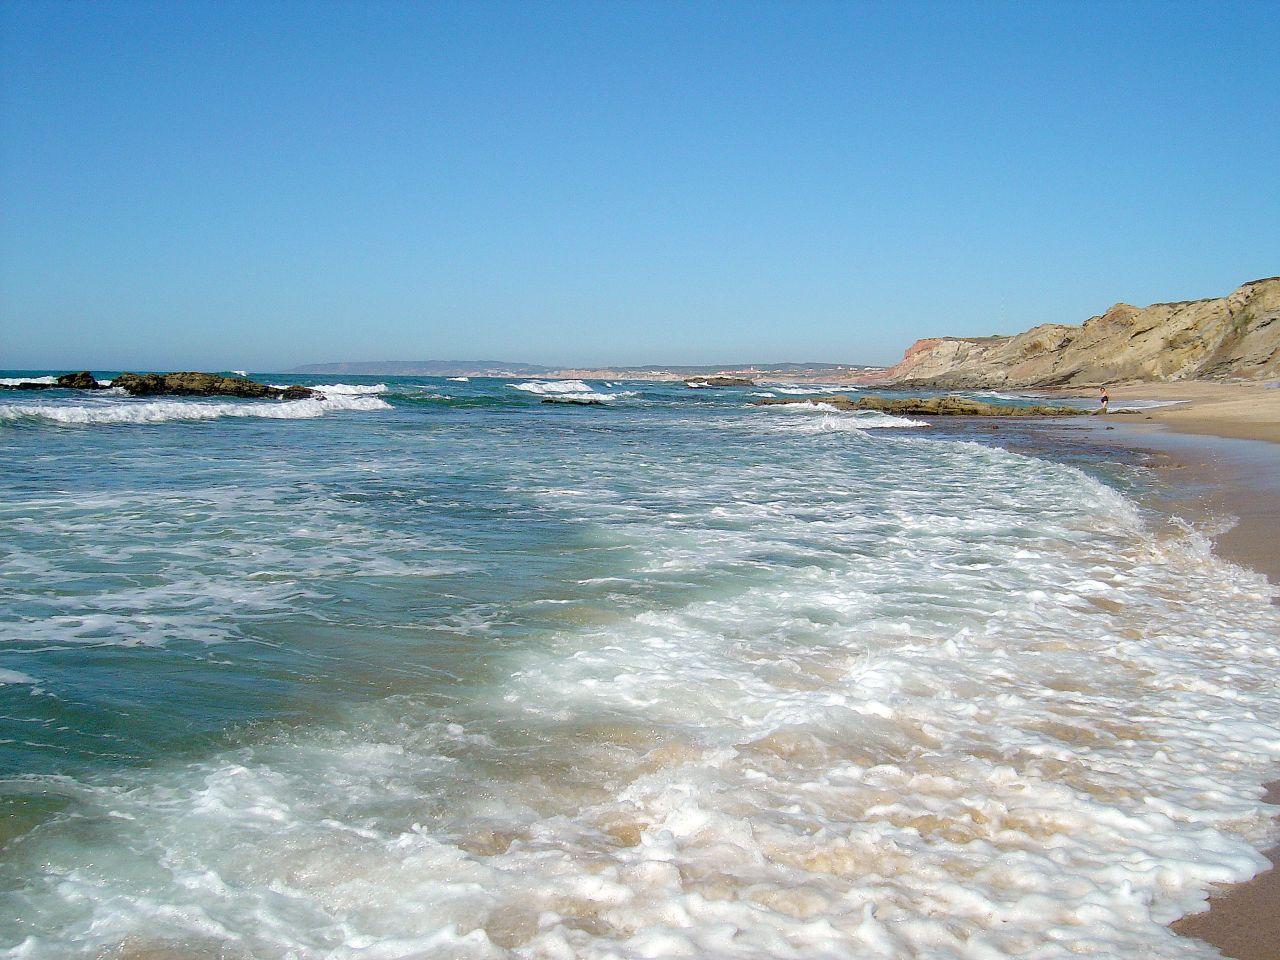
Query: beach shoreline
(1239,411)
(1212,465)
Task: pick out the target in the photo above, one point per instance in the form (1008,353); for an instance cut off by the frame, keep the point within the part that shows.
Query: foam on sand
(161,411)
(1118,405)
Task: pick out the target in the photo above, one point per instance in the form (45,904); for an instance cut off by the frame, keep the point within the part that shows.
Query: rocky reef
(1236,336)
(189,384)
(927,406)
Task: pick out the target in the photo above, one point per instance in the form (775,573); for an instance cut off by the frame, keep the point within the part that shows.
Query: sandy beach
(1222,461)
(1238,410)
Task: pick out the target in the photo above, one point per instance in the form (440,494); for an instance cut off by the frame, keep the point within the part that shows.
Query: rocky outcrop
(1237,336)
(204,385)
(81,380)
(574,401)
(928,406)
(699,382)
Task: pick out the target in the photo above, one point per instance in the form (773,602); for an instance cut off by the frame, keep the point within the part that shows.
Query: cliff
(1236,336)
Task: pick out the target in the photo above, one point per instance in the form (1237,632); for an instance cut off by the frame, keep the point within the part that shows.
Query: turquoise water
(431,668)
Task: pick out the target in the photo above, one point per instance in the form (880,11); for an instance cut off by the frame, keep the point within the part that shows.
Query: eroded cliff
(1236,336)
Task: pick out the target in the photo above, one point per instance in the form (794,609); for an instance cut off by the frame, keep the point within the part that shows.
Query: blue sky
(266,184)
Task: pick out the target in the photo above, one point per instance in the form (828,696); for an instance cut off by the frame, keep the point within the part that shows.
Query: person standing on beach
(1104,399)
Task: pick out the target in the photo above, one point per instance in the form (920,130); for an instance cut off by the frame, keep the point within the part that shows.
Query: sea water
(433,669)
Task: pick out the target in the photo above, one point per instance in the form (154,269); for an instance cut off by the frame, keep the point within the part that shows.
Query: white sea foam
(542,387)
(814,389)
(244,555)
(160,411)
(1145,404)
(569,389)
(902,698)
(853,420)
(831,419)
(13,676)
(353,389)
(14,381)
(460,379)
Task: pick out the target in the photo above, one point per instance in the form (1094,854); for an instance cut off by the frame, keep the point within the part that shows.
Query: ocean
(433,669)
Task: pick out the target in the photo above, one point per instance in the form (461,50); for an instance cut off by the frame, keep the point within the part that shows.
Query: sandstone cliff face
(1237,336)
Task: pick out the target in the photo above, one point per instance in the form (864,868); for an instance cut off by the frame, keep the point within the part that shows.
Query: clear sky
(260,185)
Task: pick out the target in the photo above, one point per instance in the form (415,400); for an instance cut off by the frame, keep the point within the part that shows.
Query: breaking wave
(161,411)
(569,389)
(833,419)
(815,389)
(353,389)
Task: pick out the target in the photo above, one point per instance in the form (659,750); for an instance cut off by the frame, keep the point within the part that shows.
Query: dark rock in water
(928,406)
(172,384)
(205,385)
(574,401)
(698,382)
(83,380)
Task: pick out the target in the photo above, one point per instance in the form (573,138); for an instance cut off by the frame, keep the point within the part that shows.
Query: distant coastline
(501,368)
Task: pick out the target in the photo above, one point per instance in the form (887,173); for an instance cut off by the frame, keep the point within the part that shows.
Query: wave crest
(162,411)
(568,389)
(834,420)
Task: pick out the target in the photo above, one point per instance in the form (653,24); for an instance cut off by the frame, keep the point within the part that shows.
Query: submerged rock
(190,384)
(927,406)
(699,382)
(574,401)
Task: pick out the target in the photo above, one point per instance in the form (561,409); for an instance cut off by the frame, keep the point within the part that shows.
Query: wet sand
(1212,473)
(1238,410)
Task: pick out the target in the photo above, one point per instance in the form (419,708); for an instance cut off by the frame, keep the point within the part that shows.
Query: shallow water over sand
(442,671)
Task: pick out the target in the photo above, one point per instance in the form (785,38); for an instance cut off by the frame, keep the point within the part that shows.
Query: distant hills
(506,368)
(425,368)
